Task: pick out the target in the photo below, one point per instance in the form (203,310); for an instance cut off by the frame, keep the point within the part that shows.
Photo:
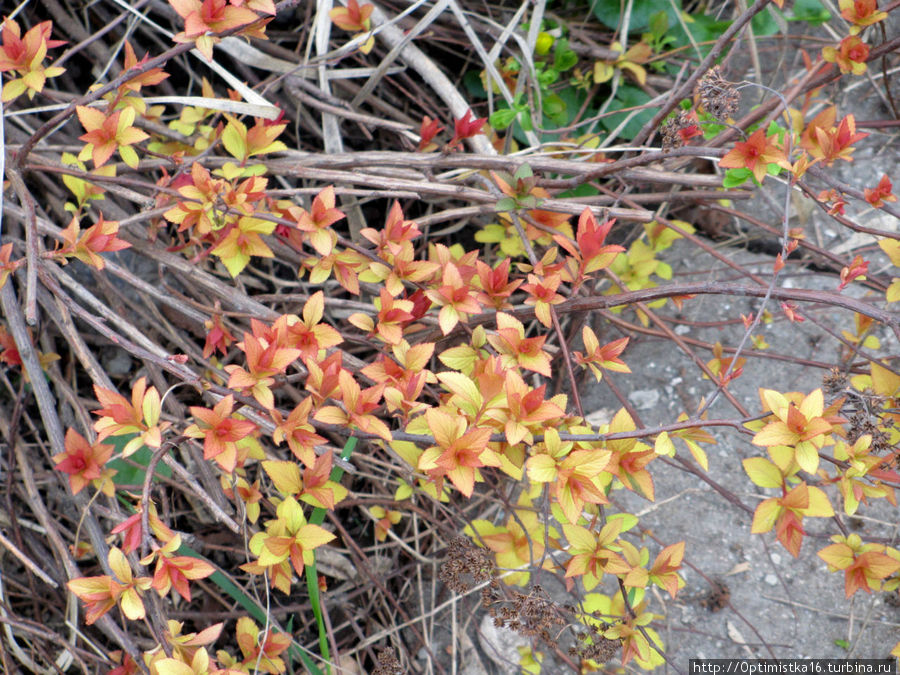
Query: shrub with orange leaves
(204,18)
(755,154)
(288,539)
(24,55)
(366,315)
(141,416)
(881,193)
(84,463)
(102,237)
(850,56)
(865,566)
(101,594)
(221,432)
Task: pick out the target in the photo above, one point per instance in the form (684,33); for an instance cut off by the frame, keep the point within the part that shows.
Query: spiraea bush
(361,264)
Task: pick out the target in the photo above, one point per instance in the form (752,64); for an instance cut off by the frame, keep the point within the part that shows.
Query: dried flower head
(718,597)
(863,422)
(464,559)
(678,130)
(532,615)
(835,382)
(592,645)
(388,664)
(717,95)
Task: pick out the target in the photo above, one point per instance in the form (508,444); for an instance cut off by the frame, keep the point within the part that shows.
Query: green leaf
(811,11)
(474,85)
(563,57)
(555,108)
(659,24)
(631,596)
(765,23)
(628,97)
(710,126)
(775,129)
(505,204)
(583,190)
(609,12)
(524,171)
(126,472)
(735,177)
(547,77)
(704,29)
(524,120)
(501,119)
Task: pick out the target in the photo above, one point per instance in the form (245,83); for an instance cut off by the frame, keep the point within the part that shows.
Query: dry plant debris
(299,304)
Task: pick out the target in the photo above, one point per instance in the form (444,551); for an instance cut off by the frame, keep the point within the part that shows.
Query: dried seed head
(464,559)
(388,664)
(834,382)
(717,95)
(594,646)
(532,615)
(676,130)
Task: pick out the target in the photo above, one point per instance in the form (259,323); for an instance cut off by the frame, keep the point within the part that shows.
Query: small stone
(682,330)
(501,645)
(771,579)
(116,363)
(644,399)
(776,558)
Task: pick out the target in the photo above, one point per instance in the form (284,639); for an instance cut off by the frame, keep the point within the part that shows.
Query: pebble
(644,399)
(771,579)
(501,645)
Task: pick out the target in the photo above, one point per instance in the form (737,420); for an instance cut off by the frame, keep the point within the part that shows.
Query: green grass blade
(312,577)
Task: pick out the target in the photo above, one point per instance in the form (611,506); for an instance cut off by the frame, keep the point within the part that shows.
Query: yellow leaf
(893,291)
(763,472)
(462,386)
(542,468)
(775,433)
(807,456)
(892,248)
(313,536)
(699,454)
(132,605)
(639,73)
(884,382)
(331,414)
(603,72)
(663,445)
(765,516)
(773,400)
(285,475)
(819,505)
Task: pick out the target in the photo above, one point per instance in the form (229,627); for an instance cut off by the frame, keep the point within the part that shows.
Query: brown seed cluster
(862,422)
(388,664)
(669,131)
(862,411)
(534,615)
(834,382)
(594,646)
(717,95)
(464,561)
(718,598)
